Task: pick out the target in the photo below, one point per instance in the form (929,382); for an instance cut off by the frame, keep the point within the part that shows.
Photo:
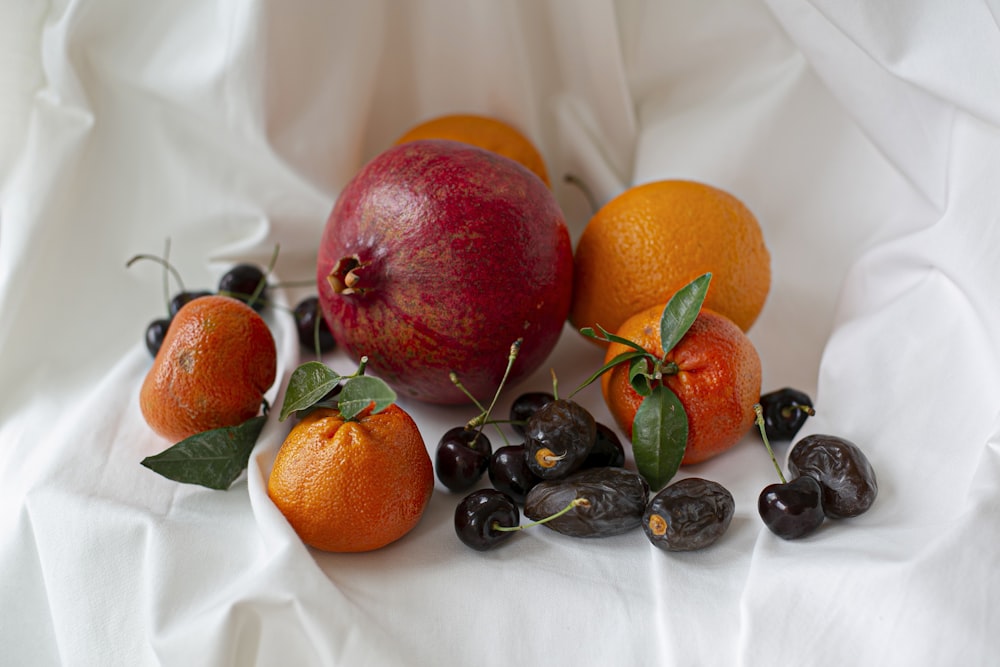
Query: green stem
(263,281)
(759,411)
(166,265)
(576,502)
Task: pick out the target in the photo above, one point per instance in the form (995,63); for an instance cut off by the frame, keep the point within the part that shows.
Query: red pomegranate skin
(436,258)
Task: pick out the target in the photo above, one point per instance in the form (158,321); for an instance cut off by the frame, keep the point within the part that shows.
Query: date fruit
(610,501)
(842,470)
(689,514)
(558,438)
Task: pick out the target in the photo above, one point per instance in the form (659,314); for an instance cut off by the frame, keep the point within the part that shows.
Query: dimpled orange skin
(351,486)
(213,368)
(485,132)
(718,382)
(651,240)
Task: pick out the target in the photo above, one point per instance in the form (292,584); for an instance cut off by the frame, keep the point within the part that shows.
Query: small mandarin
(351,486)
(718,380)
(216,361)
(653,239)
(485,132)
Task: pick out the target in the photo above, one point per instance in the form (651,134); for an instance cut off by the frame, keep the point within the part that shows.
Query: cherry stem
(576,502)
(555,384)
(167,266)
(262,283)
(759,411)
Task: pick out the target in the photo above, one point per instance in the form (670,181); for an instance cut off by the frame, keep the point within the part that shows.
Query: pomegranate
(436,258)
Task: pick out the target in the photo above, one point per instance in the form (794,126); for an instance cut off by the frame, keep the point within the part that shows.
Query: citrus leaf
(309,383)
(682,310)
(213,458)
(617,359)
(361,391)
(659,436)
(638,376)
(608,337)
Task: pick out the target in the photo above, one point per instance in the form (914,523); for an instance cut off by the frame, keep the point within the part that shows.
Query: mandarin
(717,379)
(651,240)
(350,486)
(485,132)
(217,360)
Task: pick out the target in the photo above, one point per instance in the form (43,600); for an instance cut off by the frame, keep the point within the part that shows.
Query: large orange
(718,379)
(217,360)
(485,132)
(651,240)
(354,485)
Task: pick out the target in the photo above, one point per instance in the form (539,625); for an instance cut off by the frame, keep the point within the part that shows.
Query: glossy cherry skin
(525,405)
(793,509)
(241,281)
(607,450)
(181,299)
(307,318)
(785,411)
(155,332)
(509,472)
(842,470)
(461,458)
(478,514)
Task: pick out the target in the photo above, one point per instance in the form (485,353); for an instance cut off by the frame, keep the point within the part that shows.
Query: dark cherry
(510,474)
(525,405)
(479,514)
(792,509)
(307,318)
(607,451)
(558,438)
(611,502)
(241,281)
(462,456)
(689,514)
(842,470)
(155,333)
(181,299)
(785,411)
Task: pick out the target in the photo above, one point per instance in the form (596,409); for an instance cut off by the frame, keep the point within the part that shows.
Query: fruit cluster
(568,474)
(247,283)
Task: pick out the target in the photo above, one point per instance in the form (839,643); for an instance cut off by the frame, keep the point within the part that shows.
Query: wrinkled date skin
(688,515)
(842,470)
(614,500)
(558,438)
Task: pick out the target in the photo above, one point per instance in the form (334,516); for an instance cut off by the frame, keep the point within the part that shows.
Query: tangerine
(717,379)
(651,240)
(217,360)
(485,132)
(350,486)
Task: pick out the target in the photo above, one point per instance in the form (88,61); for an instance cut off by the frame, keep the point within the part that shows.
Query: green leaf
(659,436)
(361,391)
(213,458)
(617,359)
(638,376)
(608,337)
(309,383)
(682,310)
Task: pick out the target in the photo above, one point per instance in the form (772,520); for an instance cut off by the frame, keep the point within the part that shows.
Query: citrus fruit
(212,369)
(485,132)
(350,486)
(649,241)
(717,379)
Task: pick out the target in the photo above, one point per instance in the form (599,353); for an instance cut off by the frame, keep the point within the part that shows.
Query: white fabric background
(865,136)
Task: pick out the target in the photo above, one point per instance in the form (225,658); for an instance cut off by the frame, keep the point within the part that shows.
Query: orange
(354,485)
(217,360)
(717,381)
(651,240)
(485,132)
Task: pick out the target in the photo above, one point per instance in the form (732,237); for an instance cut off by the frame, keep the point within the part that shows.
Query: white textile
(864,135)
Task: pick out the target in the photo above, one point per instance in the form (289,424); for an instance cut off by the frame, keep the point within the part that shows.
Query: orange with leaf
(681,381)
(354,473)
